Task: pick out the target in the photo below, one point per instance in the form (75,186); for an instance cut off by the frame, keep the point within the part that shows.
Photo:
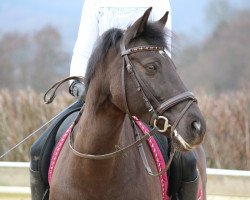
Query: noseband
(148,97)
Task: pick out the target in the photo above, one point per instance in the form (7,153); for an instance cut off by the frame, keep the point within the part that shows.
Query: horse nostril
(197,126)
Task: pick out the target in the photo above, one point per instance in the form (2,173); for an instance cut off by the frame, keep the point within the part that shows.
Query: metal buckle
(166,124)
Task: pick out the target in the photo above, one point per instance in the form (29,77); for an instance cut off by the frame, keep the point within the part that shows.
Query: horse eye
(151,67)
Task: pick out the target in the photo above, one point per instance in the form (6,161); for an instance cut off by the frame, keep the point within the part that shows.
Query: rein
(114,153)
(156,113)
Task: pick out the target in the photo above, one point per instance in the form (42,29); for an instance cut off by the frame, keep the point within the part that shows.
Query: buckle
(165,126)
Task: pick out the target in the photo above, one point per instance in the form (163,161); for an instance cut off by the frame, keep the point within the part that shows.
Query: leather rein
(156,112)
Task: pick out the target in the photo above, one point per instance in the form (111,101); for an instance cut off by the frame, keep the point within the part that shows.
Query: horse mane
(153,35)
(107,40)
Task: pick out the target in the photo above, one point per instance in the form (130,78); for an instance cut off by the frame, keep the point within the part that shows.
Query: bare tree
(50,60)
(14,56)
(222,61)
(219,12)
(34,60)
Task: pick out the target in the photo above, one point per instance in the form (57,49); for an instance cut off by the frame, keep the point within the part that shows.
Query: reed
(227,143)
(22,112)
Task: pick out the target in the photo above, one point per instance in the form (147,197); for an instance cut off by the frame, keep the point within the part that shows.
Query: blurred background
(211,48)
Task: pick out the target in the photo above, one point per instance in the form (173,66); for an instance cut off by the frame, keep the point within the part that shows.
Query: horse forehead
(161,57)
(144,55)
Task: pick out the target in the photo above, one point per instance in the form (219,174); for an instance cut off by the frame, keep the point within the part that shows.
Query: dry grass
(227,115)
(227,143)
(21,113)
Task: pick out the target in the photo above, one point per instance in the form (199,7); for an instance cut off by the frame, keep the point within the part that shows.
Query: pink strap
(56,153)
(158,157)
(200,192)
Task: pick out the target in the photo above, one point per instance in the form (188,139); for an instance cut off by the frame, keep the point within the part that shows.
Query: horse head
(139,78)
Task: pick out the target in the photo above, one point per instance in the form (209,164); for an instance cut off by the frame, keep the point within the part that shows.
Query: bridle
(156,111)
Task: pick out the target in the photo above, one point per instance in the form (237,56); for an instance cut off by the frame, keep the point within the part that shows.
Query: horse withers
(129,74)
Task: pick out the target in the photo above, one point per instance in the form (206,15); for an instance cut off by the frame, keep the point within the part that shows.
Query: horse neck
(99,131)
(100,127)
(101,123)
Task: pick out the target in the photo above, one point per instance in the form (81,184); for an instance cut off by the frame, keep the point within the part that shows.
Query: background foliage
(34,60)
(227,115)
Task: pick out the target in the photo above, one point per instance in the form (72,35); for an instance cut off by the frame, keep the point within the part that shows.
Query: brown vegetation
(227,142)
(21,113)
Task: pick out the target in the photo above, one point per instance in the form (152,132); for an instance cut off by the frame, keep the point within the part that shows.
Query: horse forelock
(152,35)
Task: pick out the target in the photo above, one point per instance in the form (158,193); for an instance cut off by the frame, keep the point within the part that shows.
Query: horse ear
(138,27)
(162,22)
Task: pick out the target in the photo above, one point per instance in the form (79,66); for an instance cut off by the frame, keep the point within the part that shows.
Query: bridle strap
(139,83)
(174,133)
(125,51)
(146,89)
(112,154)
(176,122)
(144,156)
(124,96)
(140,88)
(175,100)
(148,169)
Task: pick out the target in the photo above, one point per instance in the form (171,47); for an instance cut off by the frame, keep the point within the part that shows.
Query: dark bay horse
(129,74)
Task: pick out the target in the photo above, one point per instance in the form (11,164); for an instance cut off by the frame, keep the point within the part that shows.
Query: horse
(129,74)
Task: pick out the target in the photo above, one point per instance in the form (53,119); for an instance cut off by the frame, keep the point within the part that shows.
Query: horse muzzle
(187,131)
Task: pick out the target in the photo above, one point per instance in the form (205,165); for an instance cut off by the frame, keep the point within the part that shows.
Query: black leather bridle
(147,95)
